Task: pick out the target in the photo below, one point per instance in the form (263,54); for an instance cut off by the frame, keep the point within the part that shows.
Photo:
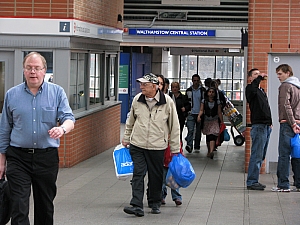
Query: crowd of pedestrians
(200,109)
(153,131)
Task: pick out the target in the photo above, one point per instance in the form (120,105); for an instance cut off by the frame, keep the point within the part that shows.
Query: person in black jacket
(261,121)
(211,109)
(195,96)
(183,106)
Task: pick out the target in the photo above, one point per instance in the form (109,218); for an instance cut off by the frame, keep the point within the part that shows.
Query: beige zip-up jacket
(150,129)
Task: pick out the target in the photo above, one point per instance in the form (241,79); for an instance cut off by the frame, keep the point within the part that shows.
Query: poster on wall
(123,79)
(190,2)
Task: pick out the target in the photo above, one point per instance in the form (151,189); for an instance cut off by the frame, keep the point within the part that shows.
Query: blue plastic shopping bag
(295,144)
(123,162)
(226,135)
(170,181)
(182,170)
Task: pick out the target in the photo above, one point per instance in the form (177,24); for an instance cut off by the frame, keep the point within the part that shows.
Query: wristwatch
(64,129)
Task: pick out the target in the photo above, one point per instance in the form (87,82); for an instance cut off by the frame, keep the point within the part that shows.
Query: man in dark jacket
(195,96)
(261,121)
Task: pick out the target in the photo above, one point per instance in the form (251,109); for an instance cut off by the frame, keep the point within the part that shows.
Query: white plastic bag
(123,162)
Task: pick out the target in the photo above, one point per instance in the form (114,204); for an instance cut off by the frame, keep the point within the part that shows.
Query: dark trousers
(296,170)
(152,162)
(191,122)
(38,170)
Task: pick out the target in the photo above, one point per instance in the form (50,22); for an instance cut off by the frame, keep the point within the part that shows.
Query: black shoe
(155,210)
(134,210)
(188,148)
(264,186)
(256,187)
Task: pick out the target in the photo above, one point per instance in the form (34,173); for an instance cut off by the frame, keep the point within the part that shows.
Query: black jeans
(296,170)
(152,162)
(40,170)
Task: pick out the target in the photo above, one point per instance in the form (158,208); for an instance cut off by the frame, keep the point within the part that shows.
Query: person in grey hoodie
(289,119)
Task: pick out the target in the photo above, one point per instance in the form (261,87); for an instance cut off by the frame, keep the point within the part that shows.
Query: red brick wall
(102,12)
(92,135)
(274,26)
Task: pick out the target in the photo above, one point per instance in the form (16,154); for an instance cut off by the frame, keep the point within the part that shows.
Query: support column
(160,61)
(175,66)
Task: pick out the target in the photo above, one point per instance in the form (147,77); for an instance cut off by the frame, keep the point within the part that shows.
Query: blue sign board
(168,32)
(64,26)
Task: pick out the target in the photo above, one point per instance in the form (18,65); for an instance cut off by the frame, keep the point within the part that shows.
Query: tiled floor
(89,193)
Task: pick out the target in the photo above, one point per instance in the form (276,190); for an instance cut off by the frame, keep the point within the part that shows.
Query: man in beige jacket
(153,118)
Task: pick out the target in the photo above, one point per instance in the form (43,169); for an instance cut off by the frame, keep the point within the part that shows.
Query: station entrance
(224,64)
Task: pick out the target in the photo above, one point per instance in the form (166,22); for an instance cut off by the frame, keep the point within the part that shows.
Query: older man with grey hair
(152,123)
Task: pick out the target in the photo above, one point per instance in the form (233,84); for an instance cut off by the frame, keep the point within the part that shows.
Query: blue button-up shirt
(196,100)
(26,118)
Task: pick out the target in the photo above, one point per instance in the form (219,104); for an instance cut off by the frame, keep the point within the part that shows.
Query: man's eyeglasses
(37,69)
(195,80)
(144,84)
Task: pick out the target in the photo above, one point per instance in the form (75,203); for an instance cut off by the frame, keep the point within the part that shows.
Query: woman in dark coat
(183,106)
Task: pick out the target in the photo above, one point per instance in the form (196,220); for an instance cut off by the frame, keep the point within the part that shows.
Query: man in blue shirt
(194,94)
(34,116)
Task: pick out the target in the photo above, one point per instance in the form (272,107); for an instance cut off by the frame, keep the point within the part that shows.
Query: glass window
(2,77)
(95,79)
(112,75)
(206,67)
(229,69)
(77,80)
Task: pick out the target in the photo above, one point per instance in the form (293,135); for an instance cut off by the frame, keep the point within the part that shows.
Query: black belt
(35,150)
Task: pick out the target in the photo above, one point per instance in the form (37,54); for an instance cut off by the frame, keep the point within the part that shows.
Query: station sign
(171,32)
(203,51)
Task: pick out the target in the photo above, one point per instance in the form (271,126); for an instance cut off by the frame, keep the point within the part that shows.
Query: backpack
(5,206)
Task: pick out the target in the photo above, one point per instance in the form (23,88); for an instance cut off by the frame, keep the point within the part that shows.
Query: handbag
(182,170)
(295,145)
(5,205)
(226,135)
(222,130)
(123,162)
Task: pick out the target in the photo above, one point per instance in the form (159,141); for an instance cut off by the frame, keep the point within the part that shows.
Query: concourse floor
(90,193)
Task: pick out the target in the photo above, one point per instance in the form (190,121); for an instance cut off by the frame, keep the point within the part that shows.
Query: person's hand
(183,109)
(56,132)
(198,118)
(264,75)
(296,129)
(2,164)
(125,143)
